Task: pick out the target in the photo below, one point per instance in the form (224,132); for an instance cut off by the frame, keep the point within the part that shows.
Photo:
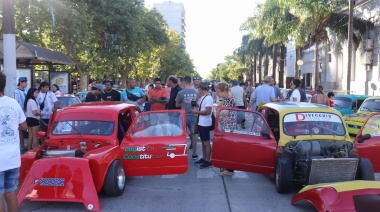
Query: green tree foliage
(106,38)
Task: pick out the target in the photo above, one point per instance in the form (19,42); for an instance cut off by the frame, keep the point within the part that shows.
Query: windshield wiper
(75,128)
(336,105)
(378,109)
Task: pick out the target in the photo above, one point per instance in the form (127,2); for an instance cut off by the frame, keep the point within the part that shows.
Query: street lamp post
(298,72)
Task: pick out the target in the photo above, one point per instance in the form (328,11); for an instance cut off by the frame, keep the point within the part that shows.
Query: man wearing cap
(263,94)
(196,81)
(96,91)
(109,93)
(48,102)
(19,95)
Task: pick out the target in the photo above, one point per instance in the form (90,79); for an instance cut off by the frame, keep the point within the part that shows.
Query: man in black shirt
(109,93)
(173,83)
(96,91)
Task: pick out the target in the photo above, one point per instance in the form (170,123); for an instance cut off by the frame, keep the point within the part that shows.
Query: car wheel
(284,175)
(114,183)
(365,170)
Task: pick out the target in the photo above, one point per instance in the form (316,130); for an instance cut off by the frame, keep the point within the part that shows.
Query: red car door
(155,144)
(370,148)
(243,141)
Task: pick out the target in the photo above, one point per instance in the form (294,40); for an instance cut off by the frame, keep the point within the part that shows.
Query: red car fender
(100,159)
(27,160)
(60,179)
(337,196)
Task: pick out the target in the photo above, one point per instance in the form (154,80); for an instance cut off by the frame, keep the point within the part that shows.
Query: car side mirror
(265,134)
(41,134)
(364,137)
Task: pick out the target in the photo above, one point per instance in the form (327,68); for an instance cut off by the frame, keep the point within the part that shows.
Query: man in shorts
(183,100)
(13,120)
(204,112)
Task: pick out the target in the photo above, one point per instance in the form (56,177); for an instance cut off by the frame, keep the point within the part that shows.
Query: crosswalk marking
(170,176)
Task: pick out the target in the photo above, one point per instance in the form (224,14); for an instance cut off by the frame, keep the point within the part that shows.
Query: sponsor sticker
(297,117)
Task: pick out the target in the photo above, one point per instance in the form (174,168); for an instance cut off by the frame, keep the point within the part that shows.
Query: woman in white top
(296,95)
(33,114)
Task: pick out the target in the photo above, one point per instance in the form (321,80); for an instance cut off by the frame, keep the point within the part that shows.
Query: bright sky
(212,29)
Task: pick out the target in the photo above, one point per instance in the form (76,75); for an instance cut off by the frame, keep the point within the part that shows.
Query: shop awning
(30,54)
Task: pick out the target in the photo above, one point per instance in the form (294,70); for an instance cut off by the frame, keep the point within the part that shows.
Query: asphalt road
(196,190)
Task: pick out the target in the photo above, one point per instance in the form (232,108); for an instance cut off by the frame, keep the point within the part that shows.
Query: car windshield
(342,102)
(313,124)
(371,105)
(66,101)
(83,127)
(372,126)
(158,124)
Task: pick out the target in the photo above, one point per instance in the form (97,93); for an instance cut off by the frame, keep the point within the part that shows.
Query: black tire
(284,175)
(114,182)
(365,170)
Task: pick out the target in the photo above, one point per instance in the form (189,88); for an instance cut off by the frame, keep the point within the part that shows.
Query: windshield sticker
(296,117)
(246,133)
(375,135)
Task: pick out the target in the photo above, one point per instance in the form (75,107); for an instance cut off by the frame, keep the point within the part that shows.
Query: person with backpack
(295,95)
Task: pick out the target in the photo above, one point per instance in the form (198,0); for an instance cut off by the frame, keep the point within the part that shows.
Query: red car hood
(340,196)
(61,179)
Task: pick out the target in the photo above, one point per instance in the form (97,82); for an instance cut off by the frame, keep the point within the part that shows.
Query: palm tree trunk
(297,70)
(254,69)
(282,66)
(266,63)
(316,65)
(274,66)
(260,66)
(350,39)
(250,69)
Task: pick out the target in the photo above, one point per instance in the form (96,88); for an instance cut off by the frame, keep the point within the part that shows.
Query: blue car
(348,103)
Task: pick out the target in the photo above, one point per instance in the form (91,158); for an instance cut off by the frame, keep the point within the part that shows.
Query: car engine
(316,161)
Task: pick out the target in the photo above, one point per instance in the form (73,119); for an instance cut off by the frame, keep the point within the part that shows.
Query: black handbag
(131,96)
(42,105)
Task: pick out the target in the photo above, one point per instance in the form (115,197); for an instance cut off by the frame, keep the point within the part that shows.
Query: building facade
(174,15)
(365,66)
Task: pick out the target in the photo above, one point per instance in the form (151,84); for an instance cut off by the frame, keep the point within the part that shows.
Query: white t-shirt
(32,105)
(49,102)
(11,115)
(205,120)
(296,94)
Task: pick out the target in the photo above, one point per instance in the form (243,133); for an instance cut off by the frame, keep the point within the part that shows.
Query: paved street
(197,190)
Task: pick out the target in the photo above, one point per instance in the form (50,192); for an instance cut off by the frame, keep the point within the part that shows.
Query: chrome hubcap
(120,177)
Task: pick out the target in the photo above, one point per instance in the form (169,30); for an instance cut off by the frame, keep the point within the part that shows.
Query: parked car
(355,121)
(348,103)
(339,196)
(65,100)
(294,142)
(92,147)
(82,95)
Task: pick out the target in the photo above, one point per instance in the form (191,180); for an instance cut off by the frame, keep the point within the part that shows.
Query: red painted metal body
(252,153)
(370,148)
(334,198)
(60,179)
(78,178)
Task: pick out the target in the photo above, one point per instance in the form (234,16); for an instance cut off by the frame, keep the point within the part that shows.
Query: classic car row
(92,147)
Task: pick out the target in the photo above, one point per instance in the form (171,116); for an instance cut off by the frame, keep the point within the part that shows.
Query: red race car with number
(92,147)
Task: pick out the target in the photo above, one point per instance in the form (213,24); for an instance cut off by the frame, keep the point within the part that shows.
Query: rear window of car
(309,123)
(342,102)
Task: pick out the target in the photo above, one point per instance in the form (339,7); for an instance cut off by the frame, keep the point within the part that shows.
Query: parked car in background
(348,103)
(295,142)
(65,100)
(82,95)
(355,121)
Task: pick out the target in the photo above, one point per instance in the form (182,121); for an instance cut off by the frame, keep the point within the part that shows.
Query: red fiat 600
(91,147)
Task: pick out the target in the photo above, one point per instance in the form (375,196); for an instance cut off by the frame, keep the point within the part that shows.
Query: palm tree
(316,17)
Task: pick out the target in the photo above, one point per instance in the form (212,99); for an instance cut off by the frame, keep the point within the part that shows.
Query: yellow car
(355,121)
(299,143)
